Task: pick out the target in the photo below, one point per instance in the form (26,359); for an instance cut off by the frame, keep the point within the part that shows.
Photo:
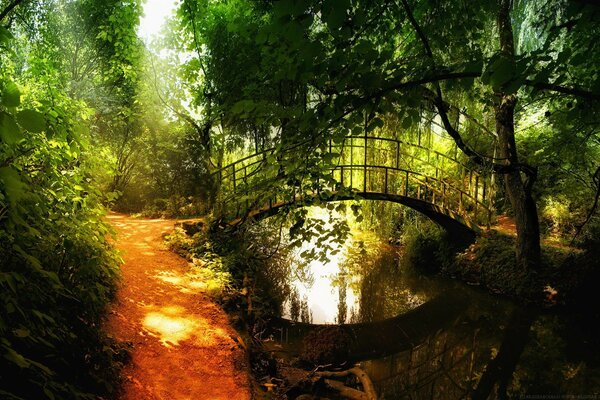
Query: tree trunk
(517,189)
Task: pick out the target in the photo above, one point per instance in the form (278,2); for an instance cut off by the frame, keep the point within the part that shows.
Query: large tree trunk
(517,189)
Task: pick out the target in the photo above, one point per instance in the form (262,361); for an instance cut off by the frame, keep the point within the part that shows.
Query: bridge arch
(435,184)
(457,227)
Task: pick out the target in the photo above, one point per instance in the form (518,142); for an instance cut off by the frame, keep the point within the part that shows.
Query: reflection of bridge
(361,167)
(435,351)
(369,340)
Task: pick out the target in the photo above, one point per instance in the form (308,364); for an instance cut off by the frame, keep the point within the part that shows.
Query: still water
(485,347)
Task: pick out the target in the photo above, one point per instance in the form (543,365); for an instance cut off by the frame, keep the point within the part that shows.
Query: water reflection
(363,280)
(493,348)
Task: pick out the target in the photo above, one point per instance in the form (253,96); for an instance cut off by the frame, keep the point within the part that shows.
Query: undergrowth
(206,266)
(248,277)
(490,261)
(57,275)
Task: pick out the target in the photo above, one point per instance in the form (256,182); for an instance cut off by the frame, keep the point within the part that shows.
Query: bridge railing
(363,164)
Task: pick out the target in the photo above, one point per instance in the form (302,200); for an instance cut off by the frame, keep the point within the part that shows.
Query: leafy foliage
(295,75)
(58,270)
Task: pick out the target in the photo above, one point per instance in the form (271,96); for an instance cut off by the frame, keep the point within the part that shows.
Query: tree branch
(9,8)
(442,108)
(435,79)
(561,89)
(204,131)
(592,211)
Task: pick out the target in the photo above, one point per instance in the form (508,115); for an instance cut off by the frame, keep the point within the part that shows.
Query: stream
(424,336)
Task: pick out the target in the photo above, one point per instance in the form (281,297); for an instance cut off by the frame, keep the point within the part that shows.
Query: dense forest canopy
(92,117)
(509,82)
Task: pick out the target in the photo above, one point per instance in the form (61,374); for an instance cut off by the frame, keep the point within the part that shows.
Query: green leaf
(13,186)
(31,120)
(16,358)
(21,333)
(473,66)
(5,35)
(500,71)
(375,124)
(9,130)
(335,13)
(11,95)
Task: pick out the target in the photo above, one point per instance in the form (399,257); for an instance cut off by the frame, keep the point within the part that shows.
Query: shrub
(58,274)
(57,268)
(556,214)
(426,246)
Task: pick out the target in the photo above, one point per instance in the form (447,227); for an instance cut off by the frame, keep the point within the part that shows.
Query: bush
(58,270)
(589,238)
(426,246)
(174,207)
(58,274)
(208,268)
(556,215)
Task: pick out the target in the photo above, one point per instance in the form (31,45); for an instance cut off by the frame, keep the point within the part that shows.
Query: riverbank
(490,262)
(382,280)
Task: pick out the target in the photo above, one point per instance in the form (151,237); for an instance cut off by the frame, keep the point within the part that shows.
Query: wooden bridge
(436,184)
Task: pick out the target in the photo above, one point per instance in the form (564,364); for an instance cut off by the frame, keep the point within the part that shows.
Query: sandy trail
(182,341)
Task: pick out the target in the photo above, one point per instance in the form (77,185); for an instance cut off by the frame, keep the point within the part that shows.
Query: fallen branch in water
(350,393)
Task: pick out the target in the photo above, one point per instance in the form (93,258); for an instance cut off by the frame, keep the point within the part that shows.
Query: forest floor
(183,346)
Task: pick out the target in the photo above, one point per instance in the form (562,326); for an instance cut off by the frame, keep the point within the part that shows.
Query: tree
(477,68)
(58,271)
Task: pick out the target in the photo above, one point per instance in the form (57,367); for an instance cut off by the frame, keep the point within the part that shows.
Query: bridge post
(246,186)
(406,185)
(443,194)
(365,164)
(386,180)
(484,188)
(233,173)
(351,161)
(471,182)
(476,192)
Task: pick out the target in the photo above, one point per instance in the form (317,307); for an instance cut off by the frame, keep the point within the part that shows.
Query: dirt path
(182,341)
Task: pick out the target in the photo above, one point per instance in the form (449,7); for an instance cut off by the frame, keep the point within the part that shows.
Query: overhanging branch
(561,89)
(9,8)
(442,108)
